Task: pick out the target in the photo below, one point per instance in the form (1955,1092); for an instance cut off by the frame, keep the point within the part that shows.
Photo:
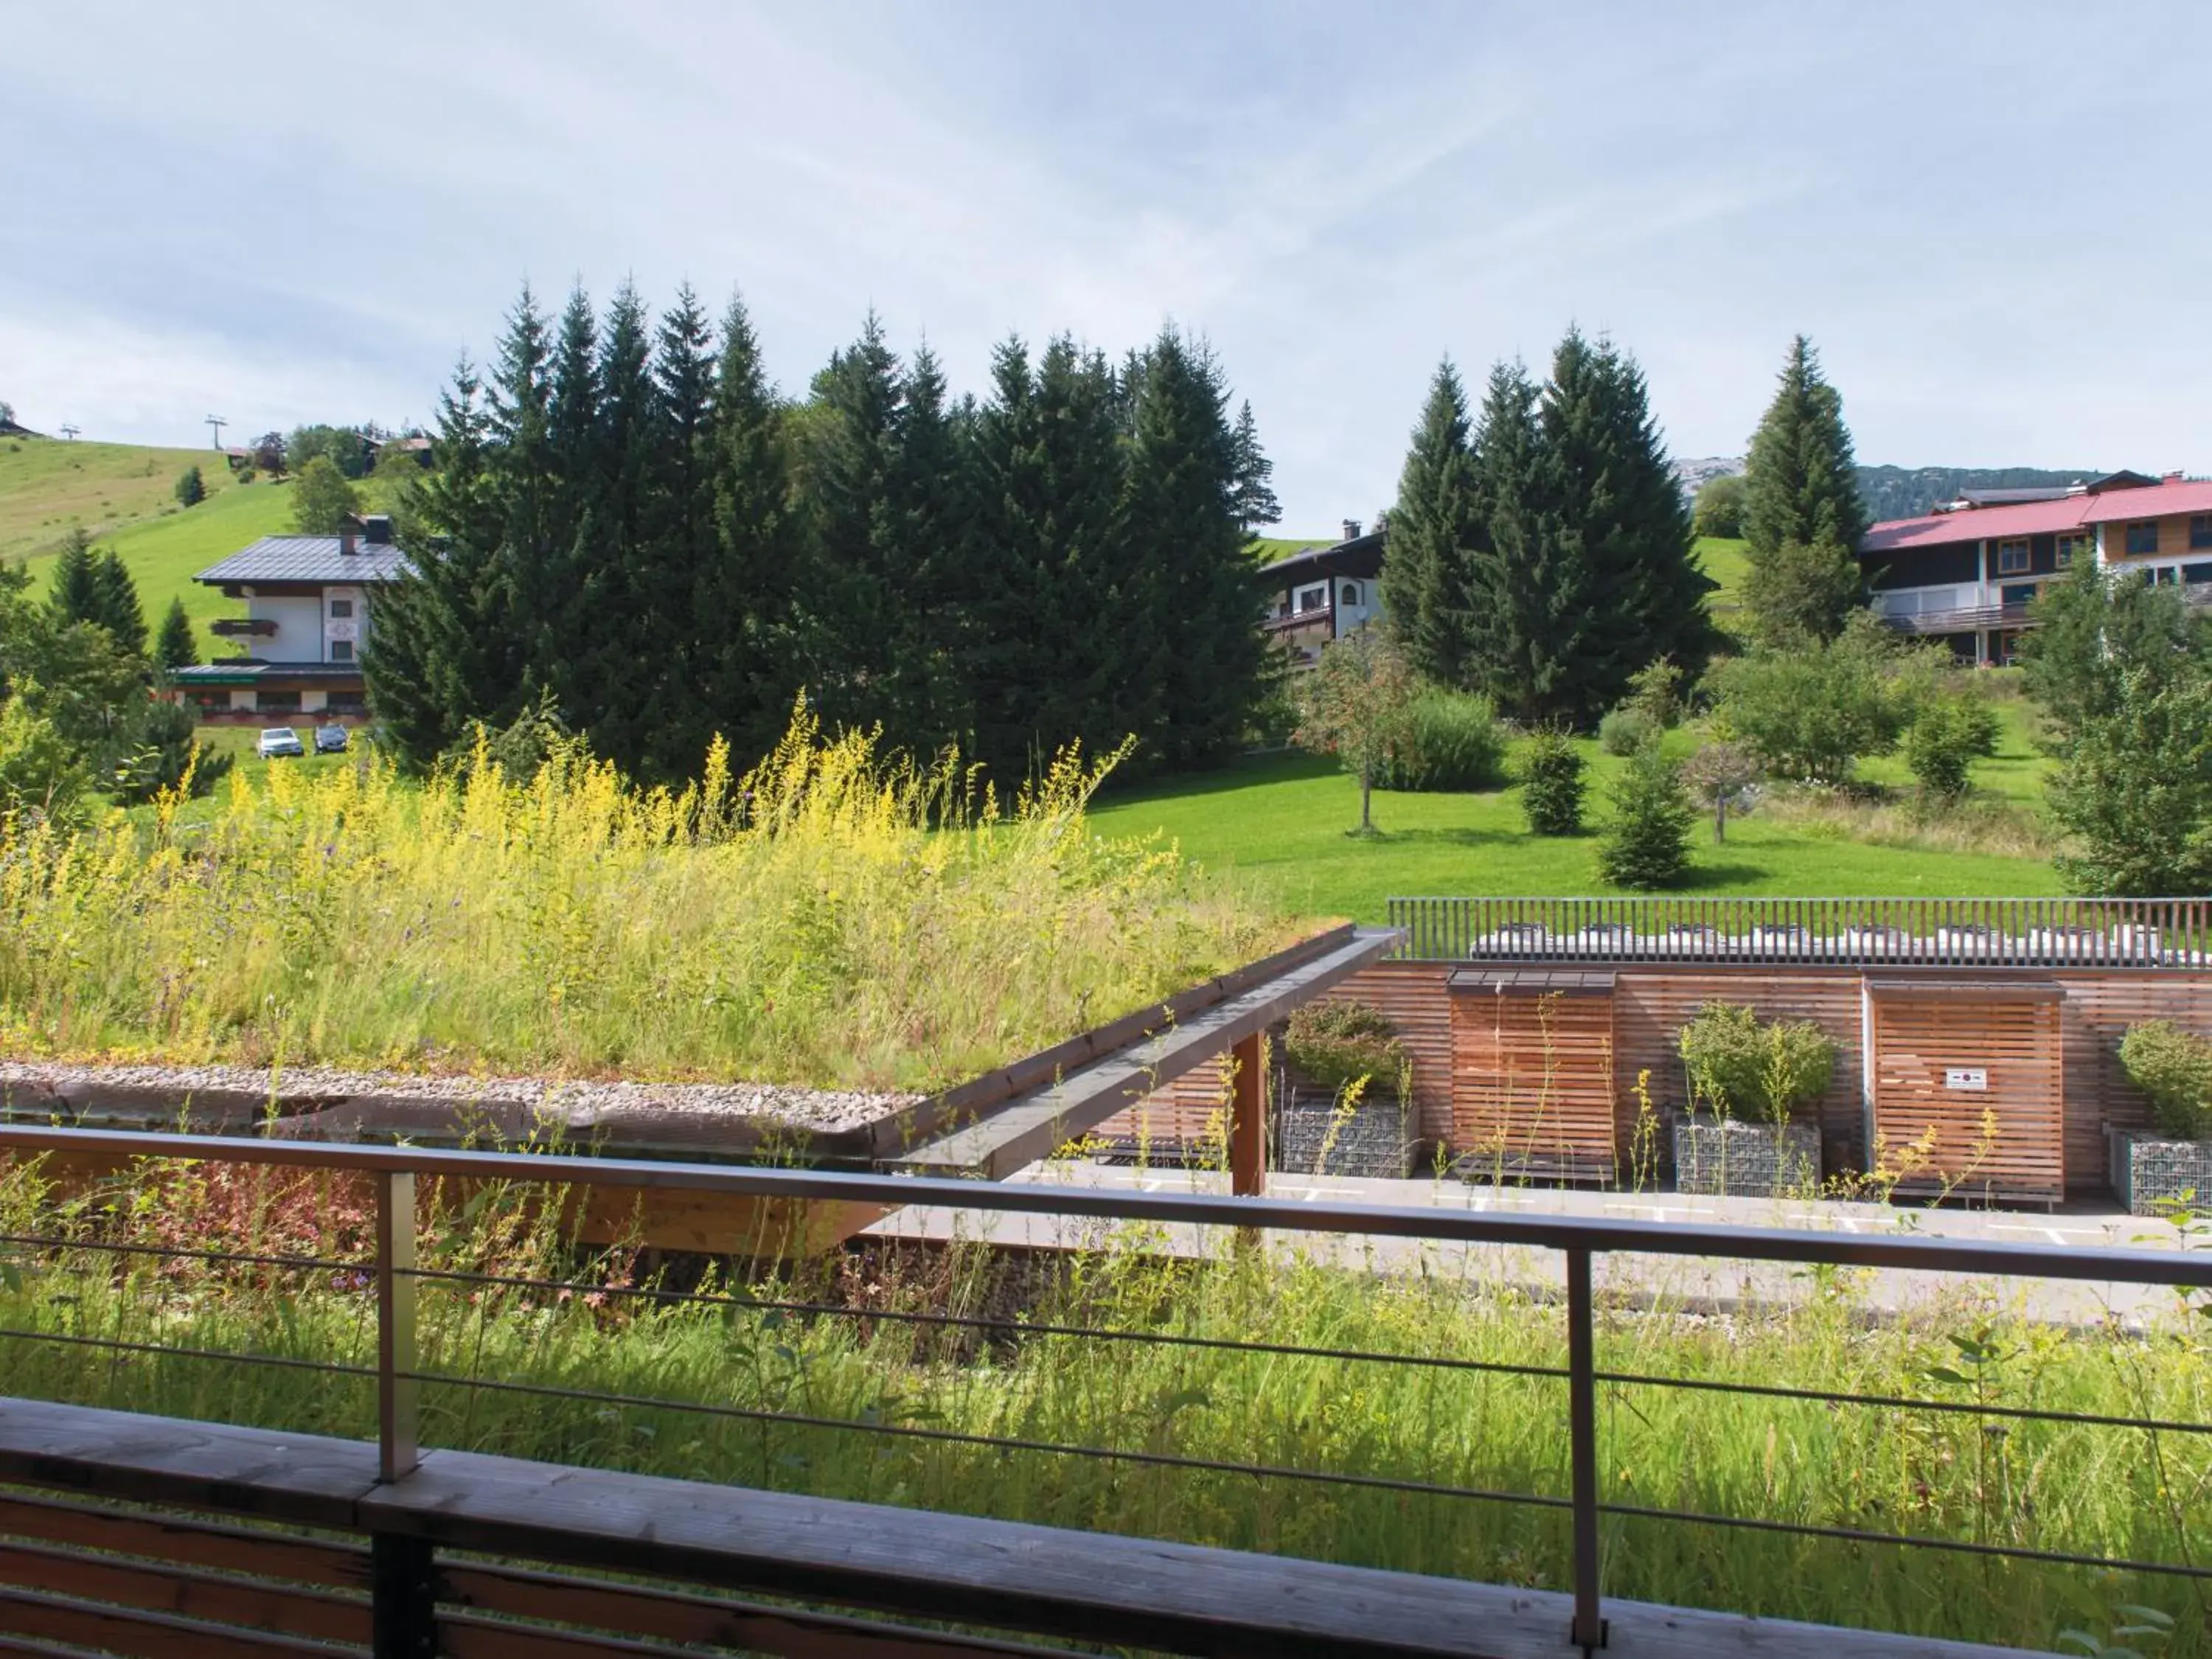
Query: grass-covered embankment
(832,918)
(889,1402)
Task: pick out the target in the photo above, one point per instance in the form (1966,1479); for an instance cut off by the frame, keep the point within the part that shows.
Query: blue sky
(1993,220)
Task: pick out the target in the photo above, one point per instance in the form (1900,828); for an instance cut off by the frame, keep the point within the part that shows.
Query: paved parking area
(1715,1283)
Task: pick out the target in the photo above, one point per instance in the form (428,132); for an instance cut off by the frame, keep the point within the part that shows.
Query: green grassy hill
(164,554)
(48,487)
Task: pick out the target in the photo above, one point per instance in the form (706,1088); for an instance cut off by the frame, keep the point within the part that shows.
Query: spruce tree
(175,647)
(440,652)
(1194,596)
(1589,575)
(75,596)
(852,596)
(1801,491)
(743,601)
(1255,496)
(921,550)
(1434,530)
(119,611)
(1042,643)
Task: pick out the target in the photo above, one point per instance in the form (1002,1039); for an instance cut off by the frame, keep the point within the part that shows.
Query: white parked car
(278,740)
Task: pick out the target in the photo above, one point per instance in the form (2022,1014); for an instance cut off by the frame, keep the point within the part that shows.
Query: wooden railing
(2164,934)
(1964,620)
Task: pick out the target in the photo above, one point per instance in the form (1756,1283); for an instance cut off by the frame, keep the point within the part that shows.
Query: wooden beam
(1248,1120)
(215,1598)
(1036,1125)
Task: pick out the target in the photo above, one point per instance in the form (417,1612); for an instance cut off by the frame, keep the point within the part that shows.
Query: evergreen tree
(743,601)
(442,651)
(922,544)
(1256,496)
(1434,531)
(120,612)
(853,588)
(1647,843)
(175,647)
(75,596)
(1801,489)
(1590,574)
(1039,653)
(191,489)
(1192,596)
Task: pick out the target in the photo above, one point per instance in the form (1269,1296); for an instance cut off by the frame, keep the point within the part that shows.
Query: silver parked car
(278,740)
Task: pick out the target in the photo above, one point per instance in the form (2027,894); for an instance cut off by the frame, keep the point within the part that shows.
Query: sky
(1994,221)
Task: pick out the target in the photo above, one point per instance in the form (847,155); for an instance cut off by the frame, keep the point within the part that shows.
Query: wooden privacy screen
(1968,1086)
(1532,1073)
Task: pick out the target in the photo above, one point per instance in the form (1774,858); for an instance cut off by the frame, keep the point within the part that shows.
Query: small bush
(1945,739)
(1739,1067)
(1337,1044)
(2173,1067)
(1656,690)
(1552,785)
(1448,740)
(1627,730)
(191,489)
(1647,843)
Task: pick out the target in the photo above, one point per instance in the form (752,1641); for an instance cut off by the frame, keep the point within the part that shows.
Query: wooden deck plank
(144,1634)
(215,1598)
(1033,1125)
(191,1543)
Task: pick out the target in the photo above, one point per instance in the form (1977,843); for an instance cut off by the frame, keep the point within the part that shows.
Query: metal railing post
(1589,1628)
(402,1570)
(397,1446)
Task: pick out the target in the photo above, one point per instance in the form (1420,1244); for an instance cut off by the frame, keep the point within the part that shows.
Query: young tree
(1354,705)
(1809,713)
(1551,783)
(1801,489)
(1949,733)
(191,489)
(1435,529)
(1646,844)
(175,646)
(1719,774)
(321,498)
(268,453)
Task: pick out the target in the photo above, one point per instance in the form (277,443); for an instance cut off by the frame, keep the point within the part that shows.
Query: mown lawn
(1280,820)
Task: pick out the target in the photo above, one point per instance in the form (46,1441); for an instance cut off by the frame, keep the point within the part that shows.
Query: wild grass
(1979,826)
(832,918)
(812,1385)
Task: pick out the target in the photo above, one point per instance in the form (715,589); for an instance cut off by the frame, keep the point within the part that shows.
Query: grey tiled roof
(308,559)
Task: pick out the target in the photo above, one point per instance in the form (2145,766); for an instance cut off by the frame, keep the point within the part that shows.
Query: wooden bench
(84,1572)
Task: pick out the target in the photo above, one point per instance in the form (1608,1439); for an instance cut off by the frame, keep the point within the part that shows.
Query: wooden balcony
(243,627)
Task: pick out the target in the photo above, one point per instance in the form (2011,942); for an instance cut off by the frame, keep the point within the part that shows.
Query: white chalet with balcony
(308,600)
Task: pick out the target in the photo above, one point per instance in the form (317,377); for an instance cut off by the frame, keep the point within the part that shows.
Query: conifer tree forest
(1539,549)
(631,528)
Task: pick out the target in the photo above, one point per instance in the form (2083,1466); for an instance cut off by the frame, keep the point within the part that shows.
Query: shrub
(41,776)
(1627,730)
(1338,1043)
(1719,510)
(2173,1067)
(1946,737)
(1808,712)
(1552,785)
(163,753)
(1647,843)
(191,489)
(1656,690)
(1448,740)
(1738,1066)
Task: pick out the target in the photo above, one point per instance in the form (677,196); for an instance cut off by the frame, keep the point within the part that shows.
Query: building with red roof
(1966,574)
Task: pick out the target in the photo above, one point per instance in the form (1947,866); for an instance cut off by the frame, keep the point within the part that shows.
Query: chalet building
(1325,593)
(1966,574)
(307,604)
